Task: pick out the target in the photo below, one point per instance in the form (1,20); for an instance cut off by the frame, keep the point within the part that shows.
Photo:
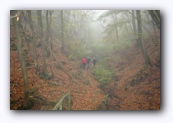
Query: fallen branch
(59,104)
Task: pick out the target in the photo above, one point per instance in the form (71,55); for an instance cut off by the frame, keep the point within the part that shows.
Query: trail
(68,77)
(122,93)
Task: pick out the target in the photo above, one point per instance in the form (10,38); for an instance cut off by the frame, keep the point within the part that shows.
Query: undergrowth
(102,74)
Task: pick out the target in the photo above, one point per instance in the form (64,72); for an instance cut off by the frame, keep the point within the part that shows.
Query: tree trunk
(155,35)
(126,27)
(74,26)
(127,30)
(134,27)
(62,31)
(145,55)
(33,39)
(47,26)
(39,12)
(133,22)
(22,62)
(155,15)
(129,19)
(148,31)
(116,28)
(50,30)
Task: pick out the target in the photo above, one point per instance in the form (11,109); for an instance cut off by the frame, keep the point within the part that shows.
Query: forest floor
(134,87)
(68,77)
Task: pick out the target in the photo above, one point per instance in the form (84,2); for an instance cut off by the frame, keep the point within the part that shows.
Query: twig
(17,14)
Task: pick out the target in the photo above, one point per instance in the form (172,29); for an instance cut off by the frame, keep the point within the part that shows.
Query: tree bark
(33,39)
(47,26)
(145,55)
(134,27)
(62,31)
(134,22)
(39,12)
(50,29)
(22,62)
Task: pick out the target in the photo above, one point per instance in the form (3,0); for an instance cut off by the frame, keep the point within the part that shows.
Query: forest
(85,60)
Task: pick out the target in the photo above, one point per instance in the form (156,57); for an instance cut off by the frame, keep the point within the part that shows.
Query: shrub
(103,75)
(77,50)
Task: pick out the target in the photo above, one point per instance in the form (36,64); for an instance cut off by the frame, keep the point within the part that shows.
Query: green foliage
(77,50)
(103,75)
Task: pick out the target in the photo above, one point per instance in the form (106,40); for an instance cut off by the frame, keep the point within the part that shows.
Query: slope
(136,86)
(45,93)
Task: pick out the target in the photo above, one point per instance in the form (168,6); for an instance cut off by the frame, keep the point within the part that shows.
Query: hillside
(53,44)
(135,86)
(67,78)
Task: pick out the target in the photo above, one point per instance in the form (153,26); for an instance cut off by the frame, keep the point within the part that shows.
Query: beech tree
(139,21)
(33,39)
(21,58)
(62,31)
(40,23)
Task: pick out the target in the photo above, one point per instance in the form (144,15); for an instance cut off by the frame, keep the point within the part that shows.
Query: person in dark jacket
(94,61)
(88,62)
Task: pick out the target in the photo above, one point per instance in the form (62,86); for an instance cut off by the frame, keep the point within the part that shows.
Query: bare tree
(39,13)
(21,59)
(62,31)
(146,57)
(155,15)
(33,39)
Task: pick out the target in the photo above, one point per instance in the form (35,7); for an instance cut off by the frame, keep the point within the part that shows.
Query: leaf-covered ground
(67,78)
(135,87)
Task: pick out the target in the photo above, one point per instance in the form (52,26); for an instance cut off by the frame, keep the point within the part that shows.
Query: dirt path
(67,78)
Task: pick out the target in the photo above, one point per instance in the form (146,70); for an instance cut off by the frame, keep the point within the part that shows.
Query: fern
(102,75)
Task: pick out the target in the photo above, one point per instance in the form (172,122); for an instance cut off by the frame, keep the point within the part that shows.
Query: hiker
(94,61)
(83,62)
(88,62)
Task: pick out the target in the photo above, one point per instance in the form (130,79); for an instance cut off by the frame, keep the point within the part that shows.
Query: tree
(155,15)
(139,21)
(134,26)
(47,26)
(115,25)
(39,13)
(21,59)
(116,28)
(50,29)
(62,31)
(33,39)
(134,21)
